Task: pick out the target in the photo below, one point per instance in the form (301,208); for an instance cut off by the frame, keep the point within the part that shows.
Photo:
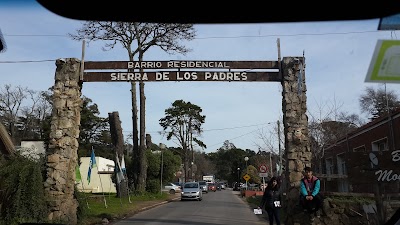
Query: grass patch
(116,207)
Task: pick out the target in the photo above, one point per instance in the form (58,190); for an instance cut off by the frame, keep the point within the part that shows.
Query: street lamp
(162,147)
(246,159)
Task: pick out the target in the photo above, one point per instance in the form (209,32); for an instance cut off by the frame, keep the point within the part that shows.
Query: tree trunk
(135,137)
(118,142)
(61,156)
(185,162)
(143,159)
(295,121)
(142,147)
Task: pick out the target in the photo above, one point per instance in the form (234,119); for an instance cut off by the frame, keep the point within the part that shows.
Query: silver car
(191,191)
(203,186)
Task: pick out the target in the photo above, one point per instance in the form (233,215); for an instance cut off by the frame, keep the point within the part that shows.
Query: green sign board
(385,63)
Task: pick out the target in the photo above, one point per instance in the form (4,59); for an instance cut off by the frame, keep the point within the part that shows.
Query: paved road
(221,207)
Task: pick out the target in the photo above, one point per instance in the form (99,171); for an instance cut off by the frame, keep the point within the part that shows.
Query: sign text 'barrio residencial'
(181,71)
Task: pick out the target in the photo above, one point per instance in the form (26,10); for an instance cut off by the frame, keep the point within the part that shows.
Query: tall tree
(182,122)
(94,131)
(378,102)
(11,103)
(24,111)
(137,38)
(326,125)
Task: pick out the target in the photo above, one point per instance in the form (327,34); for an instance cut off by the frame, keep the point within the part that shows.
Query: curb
(141,210)
(156,204)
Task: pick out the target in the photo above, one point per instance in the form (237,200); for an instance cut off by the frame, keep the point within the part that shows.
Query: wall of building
(32,148)
(367,159)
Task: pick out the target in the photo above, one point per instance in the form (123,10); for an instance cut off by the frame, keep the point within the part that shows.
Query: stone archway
(63,147)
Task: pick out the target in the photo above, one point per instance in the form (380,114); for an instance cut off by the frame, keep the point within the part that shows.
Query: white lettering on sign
(196,64)
(129,76)
(162,76)
(178,76)
(396,156)
(386,175)
(177,64)
(186,76)
(228,76)
(138,65)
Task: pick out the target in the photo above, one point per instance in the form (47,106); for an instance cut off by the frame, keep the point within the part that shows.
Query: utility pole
(270,163)
(280,151)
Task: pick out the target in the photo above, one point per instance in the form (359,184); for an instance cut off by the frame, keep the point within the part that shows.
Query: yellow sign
(246,177)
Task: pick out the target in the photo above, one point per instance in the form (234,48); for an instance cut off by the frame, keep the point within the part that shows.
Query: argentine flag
(92,165)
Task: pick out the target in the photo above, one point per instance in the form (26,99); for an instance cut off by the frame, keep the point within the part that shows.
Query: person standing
(310,197)
(271,201)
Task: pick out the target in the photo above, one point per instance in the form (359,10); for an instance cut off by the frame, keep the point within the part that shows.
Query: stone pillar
(62,154)
(295,121)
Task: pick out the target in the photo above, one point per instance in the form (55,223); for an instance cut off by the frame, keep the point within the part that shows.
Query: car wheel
(172,191)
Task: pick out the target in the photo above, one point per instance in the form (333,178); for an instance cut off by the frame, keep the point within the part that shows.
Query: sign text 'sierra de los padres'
(179,71)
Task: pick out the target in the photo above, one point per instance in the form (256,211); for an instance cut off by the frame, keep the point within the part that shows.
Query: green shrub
(153,185)
(22,198)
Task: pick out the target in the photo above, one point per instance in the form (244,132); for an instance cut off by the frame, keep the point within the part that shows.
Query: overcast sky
(337,55)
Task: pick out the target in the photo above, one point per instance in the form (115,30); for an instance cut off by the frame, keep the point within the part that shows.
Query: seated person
(310,198)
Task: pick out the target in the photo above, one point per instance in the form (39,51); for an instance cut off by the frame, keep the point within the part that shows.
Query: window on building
(341,163)
(329,166)
(360,149)
(380,145)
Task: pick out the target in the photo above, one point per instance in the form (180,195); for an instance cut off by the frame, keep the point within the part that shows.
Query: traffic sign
(263,169)
(263,174)
(384,65)
(246,177)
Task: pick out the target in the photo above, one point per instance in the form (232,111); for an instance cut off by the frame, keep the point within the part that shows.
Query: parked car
(172,188)
(203,186)
(179,184)
(191,191)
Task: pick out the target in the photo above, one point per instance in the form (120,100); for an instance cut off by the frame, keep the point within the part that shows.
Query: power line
(235,137)
(36,35)
(292,35)
(29,61)
(222,37)
(215,129)
(199,38)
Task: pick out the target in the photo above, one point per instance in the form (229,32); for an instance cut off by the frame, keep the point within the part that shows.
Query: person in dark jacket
(271,201)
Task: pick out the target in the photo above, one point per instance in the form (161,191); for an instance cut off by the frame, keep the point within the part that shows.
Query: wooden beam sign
(230,71)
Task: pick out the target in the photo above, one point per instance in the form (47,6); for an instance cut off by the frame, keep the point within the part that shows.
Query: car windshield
(191,185)
(109,107)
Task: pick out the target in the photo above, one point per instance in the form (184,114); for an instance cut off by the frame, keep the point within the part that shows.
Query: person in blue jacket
(310,197)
